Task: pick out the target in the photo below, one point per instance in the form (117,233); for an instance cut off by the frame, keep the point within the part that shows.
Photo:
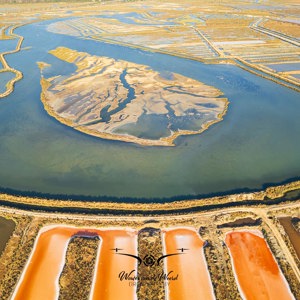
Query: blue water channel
(256,143)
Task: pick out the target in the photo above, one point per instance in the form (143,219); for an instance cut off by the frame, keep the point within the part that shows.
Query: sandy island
(104,96)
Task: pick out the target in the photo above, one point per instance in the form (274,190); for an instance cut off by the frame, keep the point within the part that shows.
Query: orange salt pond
(106,283)
(256,270)
(193,280)
(40,277)
(41,274)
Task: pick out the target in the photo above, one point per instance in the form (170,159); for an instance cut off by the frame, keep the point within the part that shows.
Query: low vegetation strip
(270,196)
(150,245)
(76,278)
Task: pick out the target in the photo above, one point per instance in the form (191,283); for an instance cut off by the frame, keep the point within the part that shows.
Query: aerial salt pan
(41,274)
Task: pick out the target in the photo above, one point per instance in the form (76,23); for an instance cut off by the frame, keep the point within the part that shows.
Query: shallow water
(148,126)
(285,67)
(256,143)
(8,45)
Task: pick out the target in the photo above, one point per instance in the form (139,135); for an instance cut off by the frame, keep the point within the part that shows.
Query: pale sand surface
(193,277)
(40,277)
(256,271)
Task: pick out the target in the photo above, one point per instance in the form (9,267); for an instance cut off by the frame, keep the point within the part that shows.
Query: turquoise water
(256,143)
(8,45)
(57,67)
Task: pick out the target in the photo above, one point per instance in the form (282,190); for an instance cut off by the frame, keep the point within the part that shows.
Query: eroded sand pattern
(255,268)
(41,274)
(109,98)
(190,265)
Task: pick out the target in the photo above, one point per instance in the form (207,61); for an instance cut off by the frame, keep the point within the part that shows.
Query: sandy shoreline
(259,197)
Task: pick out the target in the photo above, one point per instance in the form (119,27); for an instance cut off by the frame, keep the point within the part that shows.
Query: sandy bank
(107,97)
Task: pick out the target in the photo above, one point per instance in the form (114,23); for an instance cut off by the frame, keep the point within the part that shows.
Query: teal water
(105,115)
(256,143)
(8,45)
(57,67)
